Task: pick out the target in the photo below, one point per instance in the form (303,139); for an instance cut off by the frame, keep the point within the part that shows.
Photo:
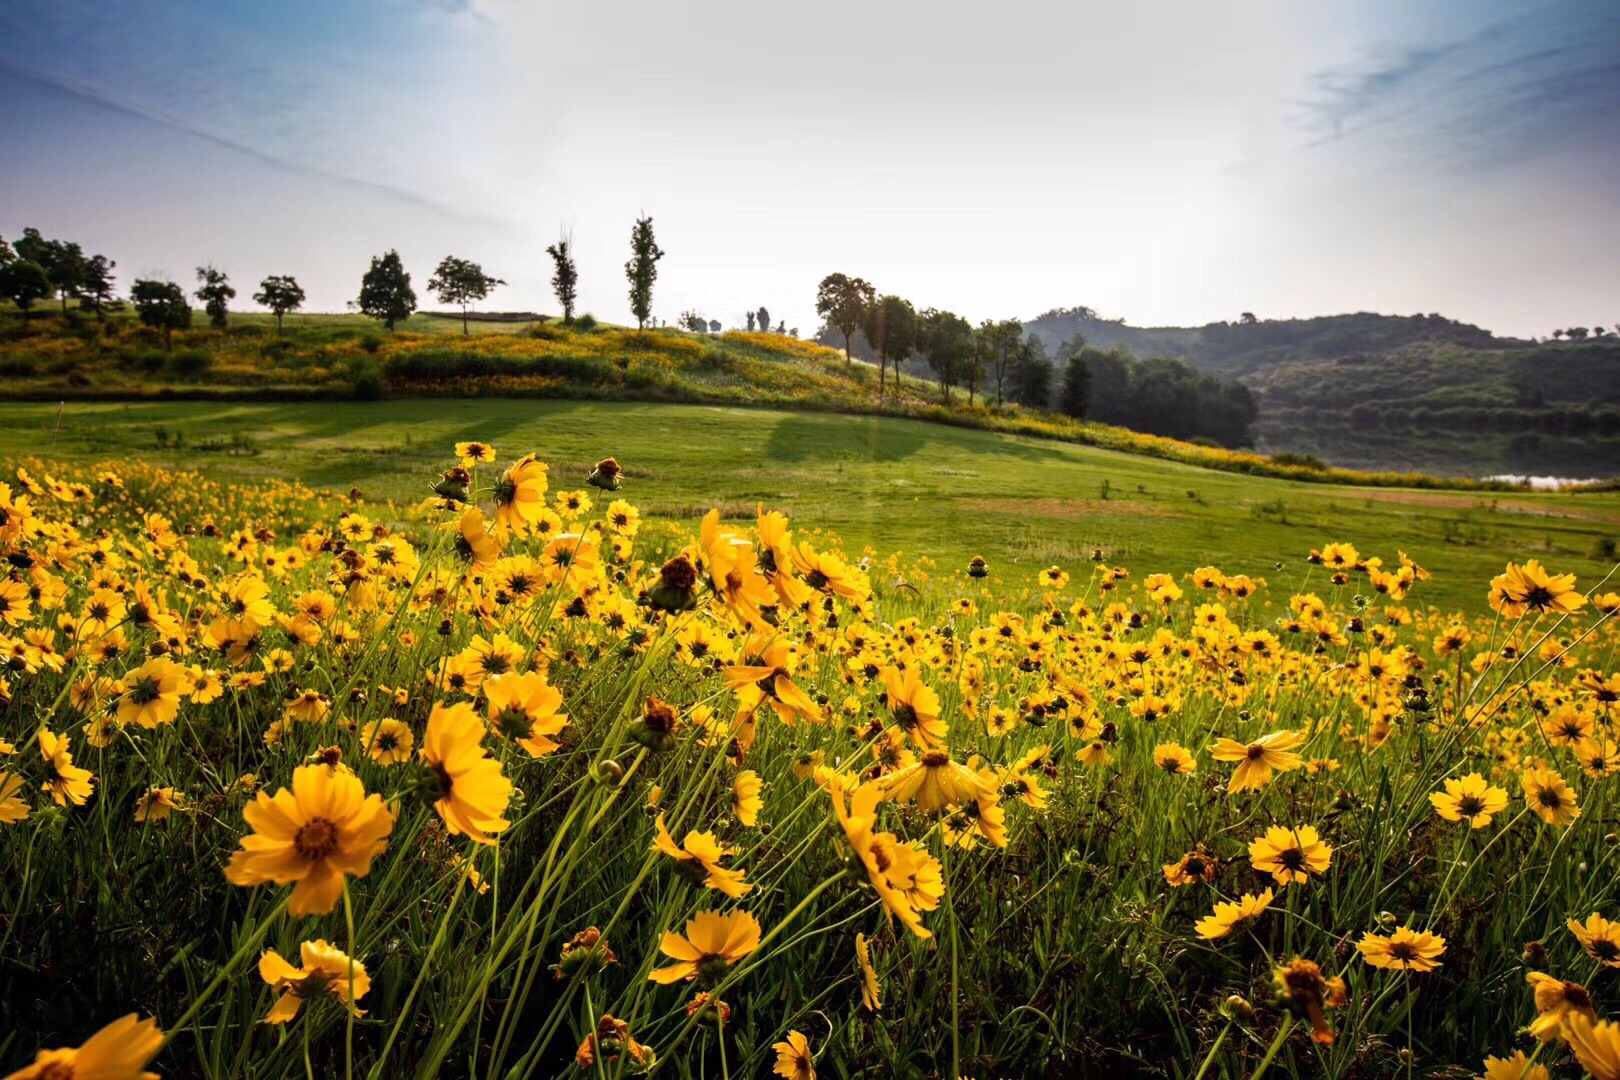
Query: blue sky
(1165,162)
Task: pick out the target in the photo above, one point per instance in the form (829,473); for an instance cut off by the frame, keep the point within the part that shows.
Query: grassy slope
(922,488)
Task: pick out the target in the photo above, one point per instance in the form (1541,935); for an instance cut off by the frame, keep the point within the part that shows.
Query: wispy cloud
(65,85)
(1535,82)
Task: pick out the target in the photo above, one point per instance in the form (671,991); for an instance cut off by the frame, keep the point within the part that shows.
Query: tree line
(34,269)
(1161,395)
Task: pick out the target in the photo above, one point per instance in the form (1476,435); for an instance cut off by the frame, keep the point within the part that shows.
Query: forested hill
(1240,348)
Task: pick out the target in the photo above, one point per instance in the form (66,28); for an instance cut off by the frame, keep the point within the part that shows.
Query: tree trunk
(847,359)
(278,324)
(463,320)
(883,371)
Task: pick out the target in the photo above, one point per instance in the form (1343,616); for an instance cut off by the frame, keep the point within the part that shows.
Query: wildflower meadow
(514,782)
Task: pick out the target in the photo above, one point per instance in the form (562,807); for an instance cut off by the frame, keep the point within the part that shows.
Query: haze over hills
(1384,391)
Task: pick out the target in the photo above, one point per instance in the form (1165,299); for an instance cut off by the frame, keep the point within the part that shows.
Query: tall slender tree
(642,269)
(564,277)
(162,306)
(99,292)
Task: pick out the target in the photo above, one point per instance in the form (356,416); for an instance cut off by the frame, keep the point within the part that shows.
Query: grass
(925,489)
(1049,940)
(339,358)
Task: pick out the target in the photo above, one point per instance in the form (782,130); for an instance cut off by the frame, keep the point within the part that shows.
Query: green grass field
(925,489)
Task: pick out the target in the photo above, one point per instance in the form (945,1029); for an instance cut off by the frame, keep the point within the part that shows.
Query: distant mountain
(1390,391)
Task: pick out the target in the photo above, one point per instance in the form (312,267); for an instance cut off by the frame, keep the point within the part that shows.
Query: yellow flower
(16,602)
(934,782)
(388,741)
(1517,1067)
(1596,1046)
(1304,988)
(1405,950)
(118,1051)
(474,544)
(472,793)
(793,1059)
(1258,759)
(12,807)
(1557,1002)
(712,943)
(67,782)
(1469,799)
(523,708)
(1174,759)
(474,453)
(745,798)
(734,571)
(520,495)
(1599,937)
(1529,588)
(907,879)
(869,980)
(326,971)
(1290,855)
(914,706)
(703,852)
(1228,916)
(324,828)
(157,804)
(1550,797)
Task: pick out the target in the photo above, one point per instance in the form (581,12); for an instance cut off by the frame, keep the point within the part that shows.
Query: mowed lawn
(922,489)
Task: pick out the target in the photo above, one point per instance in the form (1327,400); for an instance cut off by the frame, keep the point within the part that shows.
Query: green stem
(1276,1045)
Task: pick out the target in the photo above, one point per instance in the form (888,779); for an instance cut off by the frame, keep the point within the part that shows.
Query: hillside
(341,357)
(1418,382)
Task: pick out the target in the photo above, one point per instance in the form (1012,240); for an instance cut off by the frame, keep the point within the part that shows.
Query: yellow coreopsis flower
(703,852)
(520,495)
(745,797)
(325,971)
(118,1051)
(933,782)
(1260,758)
(712,943)
(1229,915)
(66,782)
(523,707)
(1599,937)
(471,791)
(1469,799)
(12,807)
(1520,590)
(1290,855)
(1405,950)
(1596,1044)
(326,827)
(1550,797)
(793,1058)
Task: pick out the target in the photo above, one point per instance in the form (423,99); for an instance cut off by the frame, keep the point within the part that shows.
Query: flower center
(317,839)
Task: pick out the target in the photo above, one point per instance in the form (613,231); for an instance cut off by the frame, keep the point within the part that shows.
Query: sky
(1169,163)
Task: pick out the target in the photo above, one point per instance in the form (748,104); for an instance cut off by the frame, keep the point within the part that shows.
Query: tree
(161,305)
(891,329)
(63,262)
(24,282)
(947,341)
(750,322)
(461,282)
(1075,398)
(642,269)
(1576,333)
(98,285)
(280,293)
(714,326)
(216,294)
(998,349)
(763,318)
(842,301)
(691,320)
(385,291)
(564,277)
(1032,375)
(1247,318)
(7,256)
